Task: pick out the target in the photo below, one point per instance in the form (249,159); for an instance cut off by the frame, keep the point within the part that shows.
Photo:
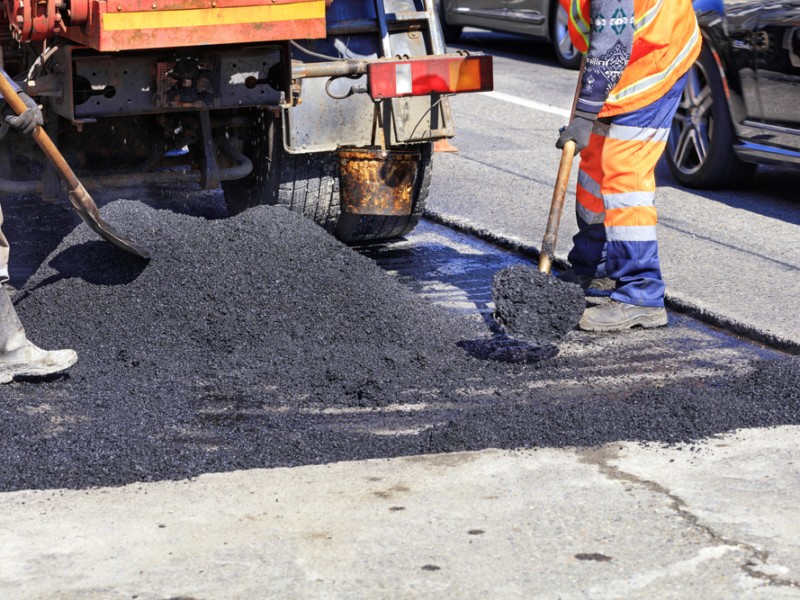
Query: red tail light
(429,75)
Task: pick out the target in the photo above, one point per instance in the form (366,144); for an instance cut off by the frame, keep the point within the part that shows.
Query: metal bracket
(210,168)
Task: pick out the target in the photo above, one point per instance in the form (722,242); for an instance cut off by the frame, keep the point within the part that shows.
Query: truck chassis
(264,116)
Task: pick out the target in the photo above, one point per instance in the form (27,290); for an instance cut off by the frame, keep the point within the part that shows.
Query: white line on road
(553,110)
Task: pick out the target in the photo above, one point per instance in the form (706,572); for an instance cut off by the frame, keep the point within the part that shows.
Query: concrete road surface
(624,521)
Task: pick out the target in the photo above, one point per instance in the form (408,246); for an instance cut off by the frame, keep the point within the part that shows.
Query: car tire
(702,136)
(566,53)
(451,33)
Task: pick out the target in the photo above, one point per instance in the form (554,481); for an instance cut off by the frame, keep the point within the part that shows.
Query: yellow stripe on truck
(165,19)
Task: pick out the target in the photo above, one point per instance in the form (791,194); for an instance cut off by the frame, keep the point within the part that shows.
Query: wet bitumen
(261,341)
(535,307)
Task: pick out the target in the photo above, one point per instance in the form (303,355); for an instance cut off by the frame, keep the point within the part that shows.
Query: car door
(735,43)
(515,16)
(776,42)
(529,15)
(479,13)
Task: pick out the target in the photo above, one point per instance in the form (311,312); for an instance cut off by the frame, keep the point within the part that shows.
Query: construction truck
(330,108)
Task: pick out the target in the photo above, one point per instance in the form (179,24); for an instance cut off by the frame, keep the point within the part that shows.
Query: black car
(741,105)
(542,19)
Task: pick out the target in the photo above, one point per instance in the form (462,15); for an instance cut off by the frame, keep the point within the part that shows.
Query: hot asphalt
(260,341)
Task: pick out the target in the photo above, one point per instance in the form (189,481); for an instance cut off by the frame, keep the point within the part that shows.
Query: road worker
(18,355)
(637,54)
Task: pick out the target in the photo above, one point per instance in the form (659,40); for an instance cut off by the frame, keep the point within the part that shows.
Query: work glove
(27,121)
(579,131)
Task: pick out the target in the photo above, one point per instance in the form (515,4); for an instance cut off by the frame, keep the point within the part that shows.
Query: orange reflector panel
(429,75)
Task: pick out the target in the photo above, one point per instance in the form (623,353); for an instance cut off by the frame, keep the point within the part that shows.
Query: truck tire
(304,183)
(372,228)
(309,184)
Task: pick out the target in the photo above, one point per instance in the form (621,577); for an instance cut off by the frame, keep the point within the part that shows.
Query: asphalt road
(714,517)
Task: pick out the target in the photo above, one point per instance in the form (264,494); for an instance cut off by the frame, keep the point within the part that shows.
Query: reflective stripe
(579,22)
(648,82)
(631,234)
(587,186)
(590,185)
(648,17)
(628,200)
(589,216)
(637,134)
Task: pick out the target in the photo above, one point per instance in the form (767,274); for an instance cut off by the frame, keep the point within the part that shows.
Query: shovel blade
(84,205)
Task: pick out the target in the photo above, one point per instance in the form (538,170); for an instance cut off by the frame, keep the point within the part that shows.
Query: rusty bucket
(374,182)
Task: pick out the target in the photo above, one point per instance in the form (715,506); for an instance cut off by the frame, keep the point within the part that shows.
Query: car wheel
(451,33)
(566,53)
(700,145)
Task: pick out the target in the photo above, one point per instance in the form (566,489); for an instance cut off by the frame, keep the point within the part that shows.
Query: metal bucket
(374,182)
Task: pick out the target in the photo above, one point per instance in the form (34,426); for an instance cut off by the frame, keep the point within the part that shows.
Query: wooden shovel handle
(560,189)
(556,208)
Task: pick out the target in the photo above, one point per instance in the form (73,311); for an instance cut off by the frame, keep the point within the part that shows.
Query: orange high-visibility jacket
(666,43)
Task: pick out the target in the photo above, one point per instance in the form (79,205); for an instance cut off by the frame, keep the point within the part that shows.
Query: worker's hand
(578,131)
(27,121)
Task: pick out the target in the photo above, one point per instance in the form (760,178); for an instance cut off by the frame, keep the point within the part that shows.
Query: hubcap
(692,127)
(563,41)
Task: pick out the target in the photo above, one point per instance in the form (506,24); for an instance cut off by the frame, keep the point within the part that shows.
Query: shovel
(81,200)
(531,305)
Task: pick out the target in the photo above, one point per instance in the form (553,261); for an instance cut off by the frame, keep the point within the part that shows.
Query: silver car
(542,19)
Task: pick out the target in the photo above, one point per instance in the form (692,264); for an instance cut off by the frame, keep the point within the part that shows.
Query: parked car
(741,105)
(542,19)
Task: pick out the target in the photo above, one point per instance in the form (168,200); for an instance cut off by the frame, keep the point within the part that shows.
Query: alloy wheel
(693,124)
(568,55)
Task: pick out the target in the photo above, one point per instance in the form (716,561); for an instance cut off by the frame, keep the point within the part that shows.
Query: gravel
(534,306)
(260,341)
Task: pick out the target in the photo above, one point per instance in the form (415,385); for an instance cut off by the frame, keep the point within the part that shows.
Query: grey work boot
(603,284)
(18,356)
(31,360)
(618,316)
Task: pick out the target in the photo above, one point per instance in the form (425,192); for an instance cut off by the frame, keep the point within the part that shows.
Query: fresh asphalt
(712,517)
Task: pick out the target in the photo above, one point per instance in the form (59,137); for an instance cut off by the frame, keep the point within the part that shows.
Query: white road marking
(547,108)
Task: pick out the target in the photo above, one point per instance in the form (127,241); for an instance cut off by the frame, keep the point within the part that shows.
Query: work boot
(31,360)
(18,356)
(618,316)
(603,284)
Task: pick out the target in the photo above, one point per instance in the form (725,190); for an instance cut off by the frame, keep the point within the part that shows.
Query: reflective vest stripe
(643,85)
(580,23)
(648,17)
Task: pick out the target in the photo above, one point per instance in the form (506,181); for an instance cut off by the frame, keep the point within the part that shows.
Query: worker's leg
(588,255)
(18,356)
(3,252)
(634,143)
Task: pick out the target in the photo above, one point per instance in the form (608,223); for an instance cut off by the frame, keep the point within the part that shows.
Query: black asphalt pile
(535,306)
(260,341)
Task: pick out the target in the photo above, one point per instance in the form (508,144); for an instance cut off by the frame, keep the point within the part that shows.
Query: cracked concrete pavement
(715,520)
